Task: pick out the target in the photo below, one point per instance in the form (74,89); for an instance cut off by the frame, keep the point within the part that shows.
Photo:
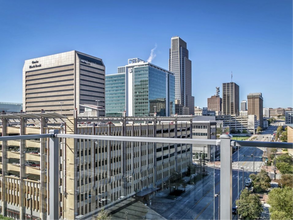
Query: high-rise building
(255,106)
(148,89)
(215,102)
(10,107)
(288,117)
(63,82)
(115,94)
(180,65)
(230,99)
(243,105)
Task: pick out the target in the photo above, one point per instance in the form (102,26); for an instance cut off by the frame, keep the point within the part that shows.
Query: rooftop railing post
(4,169)
(54,175)
(226,178)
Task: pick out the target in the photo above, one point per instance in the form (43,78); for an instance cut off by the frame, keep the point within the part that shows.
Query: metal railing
(226,162)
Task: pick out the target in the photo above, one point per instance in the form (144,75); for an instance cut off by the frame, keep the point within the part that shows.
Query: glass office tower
(147,88)
(115,94)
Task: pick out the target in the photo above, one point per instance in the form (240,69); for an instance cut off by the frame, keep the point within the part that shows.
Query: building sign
(35,64)
(85,62)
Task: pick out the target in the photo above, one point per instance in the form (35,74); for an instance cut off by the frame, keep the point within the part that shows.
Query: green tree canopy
(281,203)
(259,129)
(283,137)
(287,180)
(284,163)
(261,181)
(249,206)
(103,215)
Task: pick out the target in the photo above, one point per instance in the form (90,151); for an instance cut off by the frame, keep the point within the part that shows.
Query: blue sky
(251,38)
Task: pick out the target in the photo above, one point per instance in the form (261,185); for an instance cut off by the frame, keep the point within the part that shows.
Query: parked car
(234,210)
(248,182)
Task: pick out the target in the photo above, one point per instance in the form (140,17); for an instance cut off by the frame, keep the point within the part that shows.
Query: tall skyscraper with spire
(180,65)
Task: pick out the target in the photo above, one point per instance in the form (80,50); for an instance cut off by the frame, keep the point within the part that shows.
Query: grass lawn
(240,138)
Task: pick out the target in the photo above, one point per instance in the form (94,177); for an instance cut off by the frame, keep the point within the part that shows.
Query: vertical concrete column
(132,160)
(70,203)
(109,175)
(175,131)
(124,157)
(155,154)
(43,183)
(93,168)
(140,157)
(4,168)
(22,170)
(191,138)
(54,175)
(226,178)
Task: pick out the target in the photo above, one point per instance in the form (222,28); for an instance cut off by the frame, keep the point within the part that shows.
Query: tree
(249,206)
(258,130)
(244,131)
(279,131)
(281,203)
(261,182)
(283,136)
(5,218)
(279,215)
(175,180)
(284,163)
(287,180)
(103,215)
(232,131)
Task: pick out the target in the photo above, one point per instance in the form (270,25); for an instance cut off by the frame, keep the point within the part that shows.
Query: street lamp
(253,161)
(242,168)
(218,196)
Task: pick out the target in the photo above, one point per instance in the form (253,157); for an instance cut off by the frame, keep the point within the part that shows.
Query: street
(201,201)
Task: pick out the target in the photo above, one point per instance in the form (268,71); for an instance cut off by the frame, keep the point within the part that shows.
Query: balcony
(209,189)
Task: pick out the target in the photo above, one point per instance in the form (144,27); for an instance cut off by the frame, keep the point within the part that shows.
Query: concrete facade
(240,123)
(215,103)
(93,174)
(180,65)
(255,106)
(230,98)
(62,82)
(290,137)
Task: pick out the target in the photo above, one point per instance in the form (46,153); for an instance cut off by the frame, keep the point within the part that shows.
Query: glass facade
(115,94)
(140,91)
(171,89)
(152,90)
(158,93)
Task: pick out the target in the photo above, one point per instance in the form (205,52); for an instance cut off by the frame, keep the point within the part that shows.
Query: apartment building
(63,82)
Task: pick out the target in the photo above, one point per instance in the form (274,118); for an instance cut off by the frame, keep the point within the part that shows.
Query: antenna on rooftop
(231,76)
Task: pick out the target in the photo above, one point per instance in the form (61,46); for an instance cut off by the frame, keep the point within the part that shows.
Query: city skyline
(251,40)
